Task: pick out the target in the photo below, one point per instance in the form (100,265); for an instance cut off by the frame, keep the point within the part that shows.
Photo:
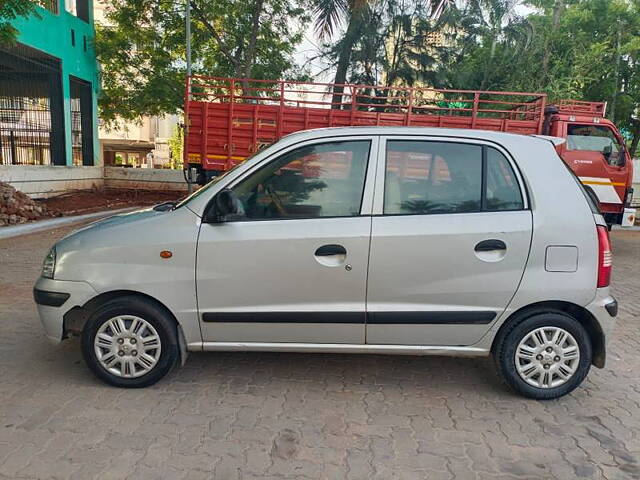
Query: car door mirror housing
(225,204)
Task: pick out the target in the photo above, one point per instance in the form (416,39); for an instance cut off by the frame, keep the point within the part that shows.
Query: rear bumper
(604,309)
(55,298)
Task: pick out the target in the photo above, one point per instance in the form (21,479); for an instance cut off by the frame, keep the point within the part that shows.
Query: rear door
(450,238)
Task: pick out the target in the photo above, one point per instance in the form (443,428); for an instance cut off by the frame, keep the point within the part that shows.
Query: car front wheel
(544,356)
(130,342)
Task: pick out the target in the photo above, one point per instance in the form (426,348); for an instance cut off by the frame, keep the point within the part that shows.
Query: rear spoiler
(555,140)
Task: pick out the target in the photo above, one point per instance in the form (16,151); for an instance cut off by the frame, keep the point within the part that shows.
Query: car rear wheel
(544,356)
(130,342)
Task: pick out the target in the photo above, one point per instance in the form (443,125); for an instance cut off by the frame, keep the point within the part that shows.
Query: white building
(140,144)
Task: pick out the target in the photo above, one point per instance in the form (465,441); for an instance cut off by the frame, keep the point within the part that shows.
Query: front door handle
(329,250)
(490,245)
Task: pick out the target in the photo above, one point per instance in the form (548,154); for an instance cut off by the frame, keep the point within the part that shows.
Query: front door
(449,242)
(292,266)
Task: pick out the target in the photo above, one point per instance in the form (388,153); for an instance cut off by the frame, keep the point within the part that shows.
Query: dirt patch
(84,201)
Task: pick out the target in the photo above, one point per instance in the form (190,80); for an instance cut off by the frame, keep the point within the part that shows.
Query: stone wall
(40,181)
(144,178)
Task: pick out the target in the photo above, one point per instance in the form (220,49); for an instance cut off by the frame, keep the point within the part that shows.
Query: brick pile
(16,207)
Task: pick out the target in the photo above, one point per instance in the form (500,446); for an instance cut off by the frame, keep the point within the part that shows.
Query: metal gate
(31,113)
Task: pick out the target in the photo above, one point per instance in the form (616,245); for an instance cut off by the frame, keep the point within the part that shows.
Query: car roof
(498,137)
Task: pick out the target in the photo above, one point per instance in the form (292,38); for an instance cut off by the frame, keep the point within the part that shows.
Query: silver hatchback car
(377,240)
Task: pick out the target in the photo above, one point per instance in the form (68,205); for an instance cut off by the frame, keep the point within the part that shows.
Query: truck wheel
(544,356)
(130,342)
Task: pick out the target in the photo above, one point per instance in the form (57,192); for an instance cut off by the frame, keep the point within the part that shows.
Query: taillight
(605,257)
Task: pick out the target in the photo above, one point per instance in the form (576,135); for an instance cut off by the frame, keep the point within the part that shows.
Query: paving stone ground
(261,415)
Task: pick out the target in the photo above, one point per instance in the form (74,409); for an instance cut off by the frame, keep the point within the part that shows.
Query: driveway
(263,415)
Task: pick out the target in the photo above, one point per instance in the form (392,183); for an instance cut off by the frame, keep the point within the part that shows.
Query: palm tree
(497,20)
(329,15)
(363,18)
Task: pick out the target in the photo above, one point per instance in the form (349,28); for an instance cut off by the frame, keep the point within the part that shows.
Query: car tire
(544,356)
(130,342)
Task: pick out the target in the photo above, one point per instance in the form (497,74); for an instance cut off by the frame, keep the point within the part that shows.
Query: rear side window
(503,191)
(425,177)
(432,177)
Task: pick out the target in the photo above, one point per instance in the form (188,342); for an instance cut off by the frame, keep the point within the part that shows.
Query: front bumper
(66,294)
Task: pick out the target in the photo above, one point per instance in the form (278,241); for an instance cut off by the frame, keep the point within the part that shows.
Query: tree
(330,15)
(142,48)
(10,10)
(585,50)
(395,49)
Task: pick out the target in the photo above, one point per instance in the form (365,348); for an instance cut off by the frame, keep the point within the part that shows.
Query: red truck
(229,119)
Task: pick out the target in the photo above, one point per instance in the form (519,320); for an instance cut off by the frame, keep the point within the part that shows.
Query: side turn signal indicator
(166,254)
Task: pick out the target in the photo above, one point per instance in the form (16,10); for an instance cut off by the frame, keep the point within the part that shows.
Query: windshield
(595,138)
(206,187)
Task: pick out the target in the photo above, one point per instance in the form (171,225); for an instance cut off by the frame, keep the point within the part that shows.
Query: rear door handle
(331,249)
(490,245)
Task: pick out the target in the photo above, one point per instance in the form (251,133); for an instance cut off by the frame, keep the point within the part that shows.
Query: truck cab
(595,150)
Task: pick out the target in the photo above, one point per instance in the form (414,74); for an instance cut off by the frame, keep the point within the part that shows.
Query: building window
(73,37)
(31,114)
(51,5)
(81,122)
(79,8)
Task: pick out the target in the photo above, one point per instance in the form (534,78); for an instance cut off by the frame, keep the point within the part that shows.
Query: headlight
(49,264)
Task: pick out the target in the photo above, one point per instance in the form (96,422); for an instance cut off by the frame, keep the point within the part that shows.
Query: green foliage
(578,49)
(141,49)
(9,11)
(176,144)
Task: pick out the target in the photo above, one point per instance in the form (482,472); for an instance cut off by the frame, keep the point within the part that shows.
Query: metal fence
(31,115)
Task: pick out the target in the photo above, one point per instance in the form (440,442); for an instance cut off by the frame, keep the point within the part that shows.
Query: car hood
(128,221)
(119,219)
(108,253)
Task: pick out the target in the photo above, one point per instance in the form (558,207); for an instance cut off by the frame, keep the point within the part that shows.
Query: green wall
(51,33)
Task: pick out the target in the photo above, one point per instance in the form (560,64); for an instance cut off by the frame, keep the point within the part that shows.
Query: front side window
(321,180)
(595,138)
(425,177)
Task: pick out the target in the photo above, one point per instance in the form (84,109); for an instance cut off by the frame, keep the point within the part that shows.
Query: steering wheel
(275,199)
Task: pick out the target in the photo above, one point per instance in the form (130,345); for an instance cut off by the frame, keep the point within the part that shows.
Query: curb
(26,228)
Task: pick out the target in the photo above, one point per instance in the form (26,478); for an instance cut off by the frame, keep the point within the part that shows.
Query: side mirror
(225,204)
